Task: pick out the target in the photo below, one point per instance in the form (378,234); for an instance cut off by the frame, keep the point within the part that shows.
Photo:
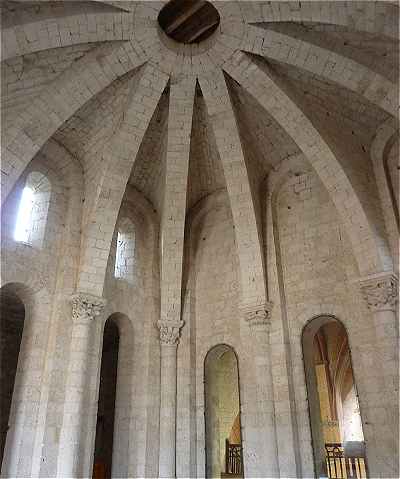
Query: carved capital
(258,314)
(86,307)
(169,332)
(380,292)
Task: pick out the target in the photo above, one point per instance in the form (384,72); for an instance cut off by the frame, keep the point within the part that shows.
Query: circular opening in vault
(189,21)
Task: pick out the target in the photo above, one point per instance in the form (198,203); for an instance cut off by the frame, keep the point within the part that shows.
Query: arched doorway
(103,452)
(336,427)
(12,316)
(222,413)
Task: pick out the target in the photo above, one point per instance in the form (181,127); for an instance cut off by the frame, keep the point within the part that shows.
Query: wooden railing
(344,466)
(233,459)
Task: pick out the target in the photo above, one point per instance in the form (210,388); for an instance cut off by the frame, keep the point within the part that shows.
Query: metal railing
(233,459)
(344,466)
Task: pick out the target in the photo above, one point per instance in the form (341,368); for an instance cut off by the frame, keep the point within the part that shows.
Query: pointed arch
(369,245)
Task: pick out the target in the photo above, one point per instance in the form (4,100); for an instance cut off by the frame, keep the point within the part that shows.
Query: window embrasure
(33,208)
(125,251)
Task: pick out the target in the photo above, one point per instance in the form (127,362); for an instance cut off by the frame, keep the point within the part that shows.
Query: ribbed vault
(93,76)
(220,177)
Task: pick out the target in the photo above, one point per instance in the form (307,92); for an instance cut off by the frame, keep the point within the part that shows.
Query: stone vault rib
(230,150)
(173,215)
(373,17)
(63,97)
(172,230)
(60,31)
(120,156)
(328,64)
(364,240)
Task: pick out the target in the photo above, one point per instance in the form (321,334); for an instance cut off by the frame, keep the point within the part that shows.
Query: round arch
(223,438)
(335,420)
(112,440)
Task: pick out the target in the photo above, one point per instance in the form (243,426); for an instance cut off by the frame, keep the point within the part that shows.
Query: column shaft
(385,418)
(258,319)
(168,411)
(169,336)
(264,377)
(381,295)
(84,309)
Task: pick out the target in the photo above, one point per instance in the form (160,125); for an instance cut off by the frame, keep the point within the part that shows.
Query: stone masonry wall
(318,276)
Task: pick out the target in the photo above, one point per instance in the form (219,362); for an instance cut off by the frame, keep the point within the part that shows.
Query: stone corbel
(169,332)
(86,307)
(380,291)
(257,314)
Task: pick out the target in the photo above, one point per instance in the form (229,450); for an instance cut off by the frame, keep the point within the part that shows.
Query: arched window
(222,413)
(31,219)
(125,251)
(337,435)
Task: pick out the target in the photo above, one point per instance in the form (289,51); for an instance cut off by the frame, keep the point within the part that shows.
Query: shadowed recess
(189,21)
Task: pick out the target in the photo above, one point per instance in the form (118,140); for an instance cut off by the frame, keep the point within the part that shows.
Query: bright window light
(125,254)
(120,256)
(24,217)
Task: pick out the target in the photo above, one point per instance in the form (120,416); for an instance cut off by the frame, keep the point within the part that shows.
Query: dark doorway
(106,406)
(12,316)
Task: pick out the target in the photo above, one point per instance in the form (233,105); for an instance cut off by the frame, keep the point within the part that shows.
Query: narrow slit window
(30,226)
(125,252)
(24,218)
(120,256)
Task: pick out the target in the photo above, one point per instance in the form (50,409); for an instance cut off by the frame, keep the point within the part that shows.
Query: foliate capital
(380,291)
(86,307)
(257,314)
(169,331)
